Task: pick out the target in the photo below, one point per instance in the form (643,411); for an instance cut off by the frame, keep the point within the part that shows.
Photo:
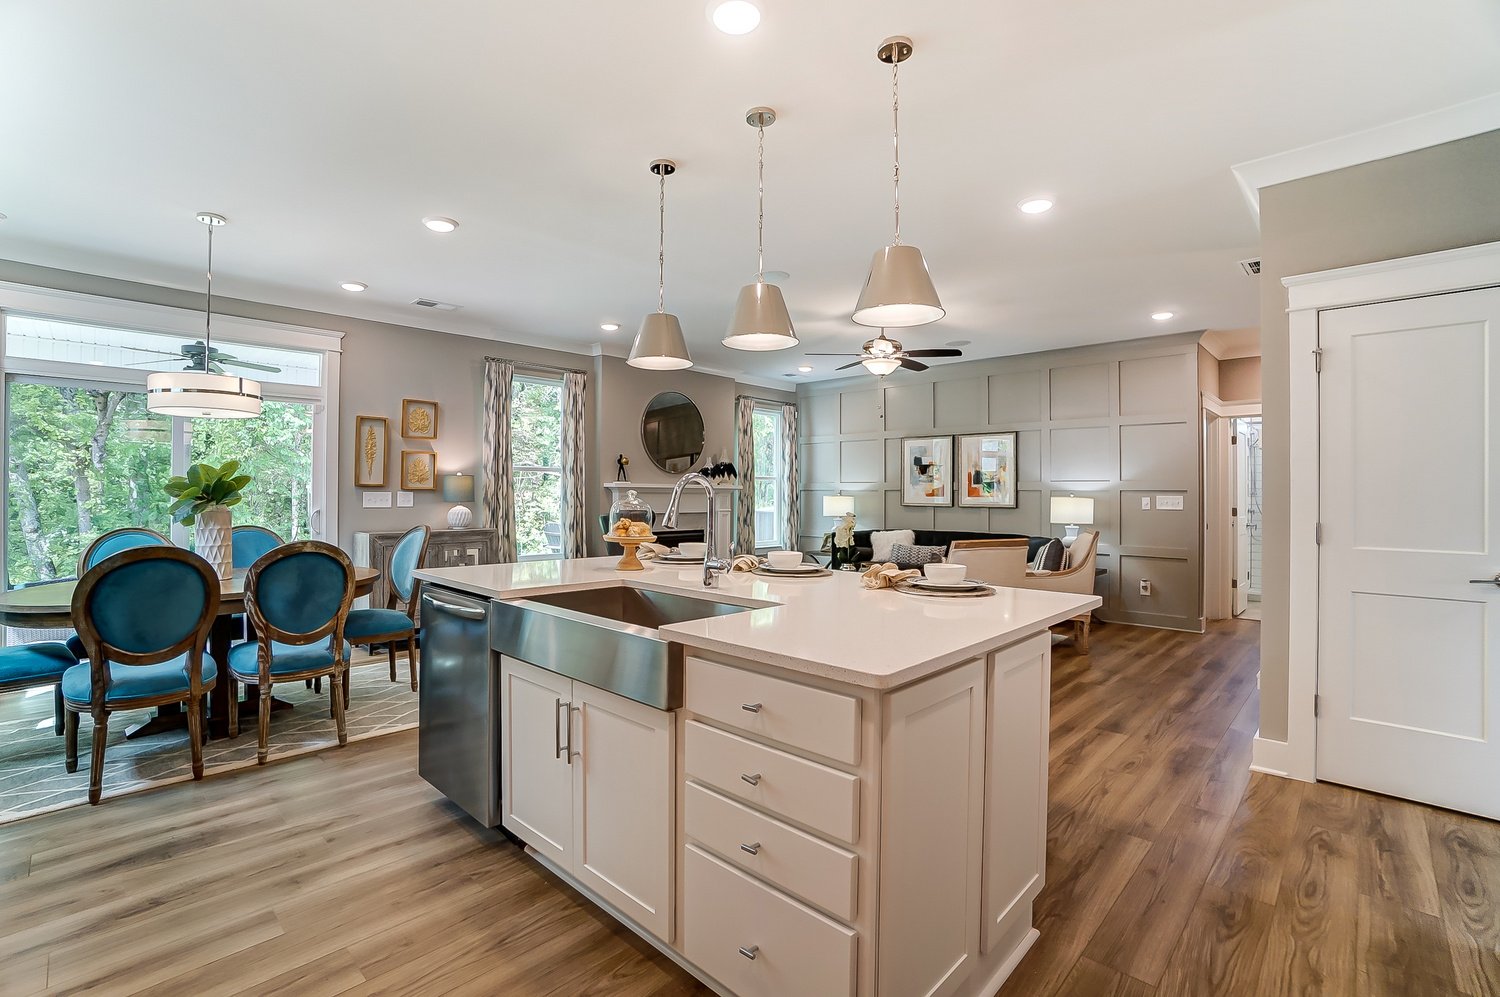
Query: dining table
(50,606)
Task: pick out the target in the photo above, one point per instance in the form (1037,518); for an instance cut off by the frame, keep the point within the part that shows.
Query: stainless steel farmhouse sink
(607,637)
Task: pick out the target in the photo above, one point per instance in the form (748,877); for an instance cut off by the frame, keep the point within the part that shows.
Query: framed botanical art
(371,446)
(987,471)
(418,419)
(927,470)
(418,470)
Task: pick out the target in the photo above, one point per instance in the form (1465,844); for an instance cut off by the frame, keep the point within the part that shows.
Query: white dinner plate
(928,583)
(801,569)
(678,559)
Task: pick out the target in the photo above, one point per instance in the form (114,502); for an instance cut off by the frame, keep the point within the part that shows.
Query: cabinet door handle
(750,707)
(753,848)
(750,951)
(557,745)
(1485,581)
(571,709)
(753,780)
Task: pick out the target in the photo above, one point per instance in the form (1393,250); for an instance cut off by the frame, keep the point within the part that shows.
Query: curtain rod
(537,366)
(769,401)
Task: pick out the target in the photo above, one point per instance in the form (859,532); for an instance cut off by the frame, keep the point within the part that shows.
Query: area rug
(33,779)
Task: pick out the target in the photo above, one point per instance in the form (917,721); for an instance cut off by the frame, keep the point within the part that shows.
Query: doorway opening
(1246,515)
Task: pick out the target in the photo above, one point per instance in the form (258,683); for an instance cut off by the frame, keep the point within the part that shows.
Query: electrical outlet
(1145,586)
(1146,502)
(404,500)
(377,500)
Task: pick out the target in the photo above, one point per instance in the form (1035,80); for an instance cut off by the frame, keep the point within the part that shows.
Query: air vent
(1251,267)
(441,306)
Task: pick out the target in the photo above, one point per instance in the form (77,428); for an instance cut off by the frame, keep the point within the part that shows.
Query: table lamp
(1073,511)
(459,488)
(838,505)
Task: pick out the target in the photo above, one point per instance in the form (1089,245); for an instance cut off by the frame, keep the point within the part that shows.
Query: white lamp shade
(1073,510)
(195,394)
(761,322)
(838,505)
(659,344)
(898,293)
(880,366)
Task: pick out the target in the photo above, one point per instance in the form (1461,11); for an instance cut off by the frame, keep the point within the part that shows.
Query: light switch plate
(404,499)
(1169,502)
(377,500)
(1146,502)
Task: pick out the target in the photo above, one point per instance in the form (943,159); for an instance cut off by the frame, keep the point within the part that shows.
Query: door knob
(1486,581)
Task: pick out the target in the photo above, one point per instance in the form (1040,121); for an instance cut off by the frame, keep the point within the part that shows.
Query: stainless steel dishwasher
(458,734)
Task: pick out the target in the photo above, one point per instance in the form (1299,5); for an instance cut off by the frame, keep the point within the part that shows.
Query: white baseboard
(1271,757)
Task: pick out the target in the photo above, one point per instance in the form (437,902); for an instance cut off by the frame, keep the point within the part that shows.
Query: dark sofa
(863,552)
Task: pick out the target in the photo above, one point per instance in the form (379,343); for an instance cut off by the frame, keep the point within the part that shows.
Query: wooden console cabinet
(446,549)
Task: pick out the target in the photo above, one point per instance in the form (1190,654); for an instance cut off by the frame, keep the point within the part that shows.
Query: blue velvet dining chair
(143,615)
(26,666)
(248,543)
(126,538)
(297,597)
(391,626)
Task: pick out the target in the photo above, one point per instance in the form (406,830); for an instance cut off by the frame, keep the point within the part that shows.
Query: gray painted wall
(1117,422)
(1421,202)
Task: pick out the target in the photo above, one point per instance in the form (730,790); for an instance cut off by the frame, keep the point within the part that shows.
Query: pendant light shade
(880,366)
(659,344)
(761,322)
(203,394)
(898,293)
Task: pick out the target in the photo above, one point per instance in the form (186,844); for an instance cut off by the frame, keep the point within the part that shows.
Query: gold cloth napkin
(884,576)
(649,551)
(745,562)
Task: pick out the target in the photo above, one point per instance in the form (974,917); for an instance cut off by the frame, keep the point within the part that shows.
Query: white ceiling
(325,132)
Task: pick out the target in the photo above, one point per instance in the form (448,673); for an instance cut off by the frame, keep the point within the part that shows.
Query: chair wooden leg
(70,740)
(57,710)
(234,705)
(1081,633)
(195,733)
(317,684)
(309,682)
(96,759)
(390,652)
(411,660)
(342,682)
(262,745)
(336,692)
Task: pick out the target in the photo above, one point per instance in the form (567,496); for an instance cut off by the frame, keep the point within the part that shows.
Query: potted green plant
(203,498)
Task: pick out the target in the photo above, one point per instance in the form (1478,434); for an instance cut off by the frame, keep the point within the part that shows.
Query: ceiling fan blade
(250,364)
(848,365)
(943,352)
(911,364)
(833,354)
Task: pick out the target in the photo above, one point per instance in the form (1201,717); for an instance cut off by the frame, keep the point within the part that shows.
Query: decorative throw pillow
(910,554)
(881,542)
(1050,557)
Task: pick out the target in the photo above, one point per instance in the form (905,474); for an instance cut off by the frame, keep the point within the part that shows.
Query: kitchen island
(822,790)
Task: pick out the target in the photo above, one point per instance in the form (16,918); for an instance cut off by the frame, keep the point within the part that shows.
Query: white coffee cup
(946,574)
(784,558)
(692,549)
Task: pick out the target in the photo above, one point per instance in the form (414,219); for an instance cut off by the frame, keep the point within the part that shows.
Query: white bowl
(784,558)
(692,549)
(947,574)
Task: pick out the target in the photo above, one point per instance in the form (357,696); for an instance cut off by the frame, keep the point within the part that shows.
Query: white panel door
(1409,648)
(1239,471)
(536,768)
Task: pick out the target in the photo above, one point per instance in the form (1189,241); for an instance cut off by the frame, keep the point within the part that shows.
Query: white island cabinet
(850,801)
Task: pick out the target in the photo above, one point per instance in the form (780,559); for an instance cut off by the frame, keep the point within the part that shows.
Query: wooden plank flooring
(1171,871)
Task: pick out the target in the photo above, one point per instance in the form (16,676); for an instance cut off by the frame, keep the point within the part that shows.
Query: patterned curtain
(790,485)
(499,502)
(744,518)
(574,478)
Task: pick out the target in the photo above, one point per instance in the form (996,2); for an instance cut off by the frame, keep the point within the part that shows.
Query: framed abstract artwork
(418,470)
(927,471)
(419,419)
(371,445)
(987,471)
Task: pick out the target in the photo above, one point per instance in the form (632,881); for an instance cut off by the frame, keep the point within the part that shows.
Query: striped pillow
(1051,556)
(912,554)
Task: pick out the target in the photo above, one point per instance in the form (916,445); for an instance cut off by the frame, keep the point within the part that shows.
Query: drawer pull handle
(750,707)
(753,849)
(753,780)
(750,951)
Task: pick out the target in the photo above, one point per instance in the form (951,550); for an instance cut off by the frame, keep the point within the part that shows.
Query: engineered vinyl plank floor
(1171,871)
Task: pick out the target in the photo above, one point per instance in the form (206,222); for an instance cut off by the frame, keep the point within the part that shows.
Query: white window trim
(776,479)
(514,467)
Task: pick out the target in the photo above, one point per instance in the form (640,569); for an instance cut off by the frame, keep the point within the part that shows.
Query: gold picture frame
(418,470)
(419,419)
(372,438)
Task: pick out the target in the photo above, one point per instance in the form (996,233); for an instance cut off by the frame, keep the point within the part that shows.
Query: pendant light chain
(661,243)
(760,218)
(208,311)
(896,139)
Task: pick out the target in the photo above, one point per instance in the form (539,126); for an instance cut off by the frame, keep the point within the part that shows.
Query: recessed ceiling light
(734,17)
(354,285)
(1036,205)
(806,368)
(609,326)
(440,224)
(1162,316)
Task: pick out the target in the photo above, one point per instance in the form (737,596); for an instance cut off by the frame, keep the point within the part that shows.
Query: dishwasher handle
(467,612)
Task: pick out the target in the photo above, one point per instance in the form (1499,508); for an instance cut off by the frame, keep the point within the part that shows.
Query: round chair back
(126,538)
(248,543)
(145,605)
(300,592)
(407,558)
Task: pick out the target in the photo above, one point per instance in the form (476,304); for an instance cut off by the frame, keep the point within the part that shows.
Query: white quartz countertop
(827,625)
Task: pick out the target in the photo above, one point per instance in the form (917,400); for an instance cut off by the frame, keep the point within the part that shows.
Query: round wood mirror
(672,432)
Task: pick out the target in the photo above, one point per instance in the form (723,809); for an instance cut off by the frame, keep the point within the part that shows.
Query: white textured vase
(215,539)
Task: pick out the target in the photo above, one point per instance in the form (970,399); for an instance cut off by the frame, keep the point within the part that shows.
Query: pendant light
(202,394)
(761,322)
(659,344)
(898,293)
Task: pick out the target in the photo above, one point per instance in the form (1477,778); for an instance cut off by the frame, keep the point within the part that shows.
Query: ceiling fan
(882,355)
(217,359)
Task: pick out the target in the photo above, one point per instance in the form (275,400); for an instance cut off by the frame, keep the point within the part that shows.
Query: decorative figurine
(622,462)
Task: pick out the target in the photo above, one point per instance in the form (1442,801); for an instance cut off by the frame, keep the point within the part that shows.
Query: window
(770,477)
(536,466)
(84,456)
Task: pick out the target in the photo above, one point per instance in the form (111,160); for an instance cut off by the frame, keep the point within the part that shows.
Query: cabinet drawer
(816,720)
(820,797)
(797,951)
(800,863)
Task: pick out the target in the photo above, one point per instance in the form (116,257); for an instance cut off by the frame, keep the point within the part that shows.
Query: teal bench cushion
(286,659)
(35,664)
(375,622)
(136,681)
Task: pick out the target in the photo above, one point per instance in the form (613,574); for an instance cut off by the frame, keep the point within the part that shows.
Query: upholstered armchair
(1077,577)
(995,562)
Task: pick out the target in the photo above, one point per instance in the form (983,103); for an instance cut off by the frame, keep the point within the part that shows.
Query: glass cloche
(632,507)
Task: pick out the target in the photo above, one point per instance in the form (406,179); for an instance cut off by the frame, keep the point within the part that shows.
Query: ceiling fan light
(898,294)
(194,394)
(761,322)
(880,366)
(659,345)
